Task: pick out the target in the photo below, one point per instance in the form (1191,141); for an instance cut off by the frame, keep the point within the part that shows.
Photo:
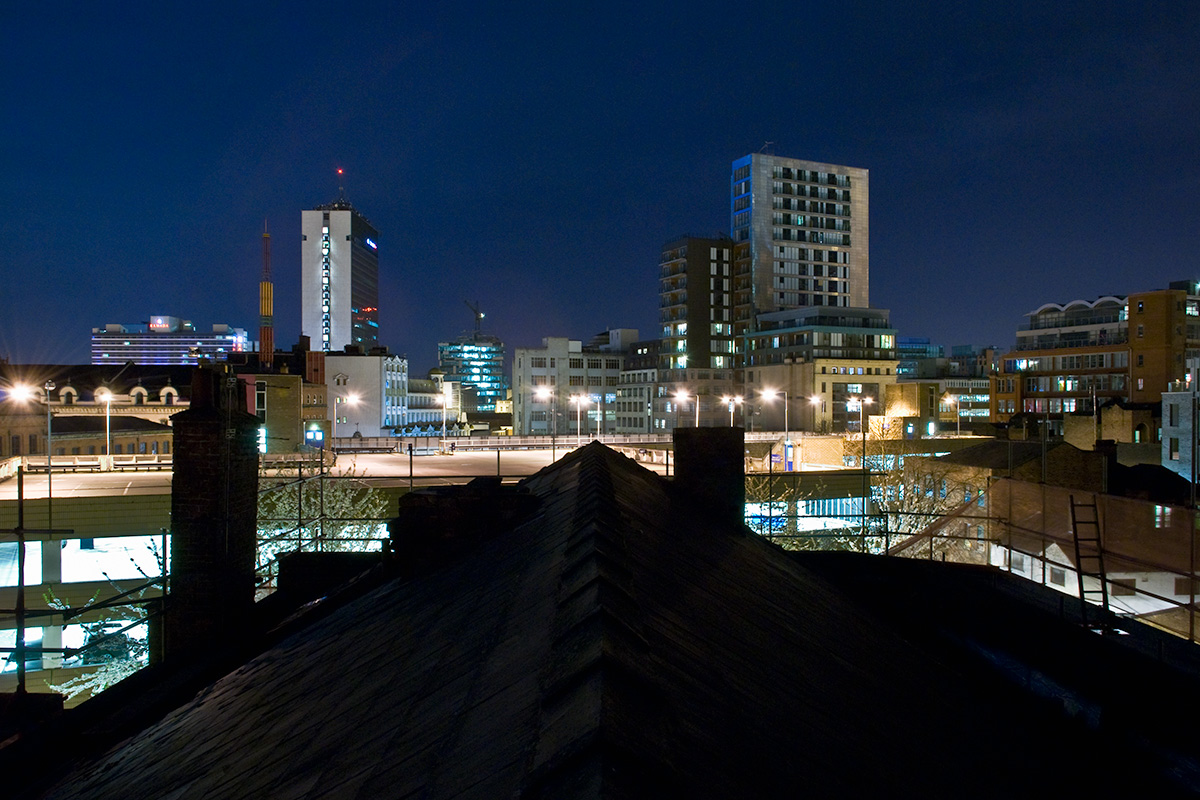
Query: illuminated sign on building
(371,244)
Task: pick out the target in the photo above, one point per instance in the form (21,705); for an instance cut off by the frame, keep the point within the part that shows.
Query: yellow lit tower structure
(266,308)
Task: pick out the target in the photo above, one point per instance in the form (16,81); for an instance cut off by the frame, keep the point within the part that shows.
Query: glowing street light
(681,397)
(731,401)
(445,401)
(860,403)
(771,394)
(106,397)
(814,401)
(544,394)
(25,393)
(347,400)
(579,401)
(951,400)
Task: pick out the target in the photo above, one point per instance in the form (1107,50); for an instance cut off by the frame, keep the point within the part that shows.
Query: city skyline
(538,162)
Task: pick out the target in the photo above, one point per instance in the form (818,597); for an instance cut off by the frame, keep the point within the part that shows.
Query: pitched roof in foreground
(618,642)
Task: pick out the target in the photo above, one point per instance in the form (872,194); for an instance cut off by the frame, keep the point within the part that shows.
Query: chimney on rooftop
(710,465)
(214,498)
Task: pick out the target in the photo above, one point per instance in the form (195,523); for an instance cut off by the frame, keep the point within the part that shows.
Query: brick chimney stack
(214,497)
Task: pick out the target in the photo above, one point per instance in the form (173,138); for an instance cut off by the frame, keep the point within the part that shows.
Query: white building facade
(567,389)
(339,263)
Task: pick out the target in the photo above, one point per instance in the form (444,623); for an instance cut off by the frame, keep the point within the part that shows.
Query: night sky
(534,158)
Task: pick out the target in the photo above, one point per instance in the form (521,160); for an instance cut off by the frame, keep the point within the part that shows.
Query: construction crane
(478,315)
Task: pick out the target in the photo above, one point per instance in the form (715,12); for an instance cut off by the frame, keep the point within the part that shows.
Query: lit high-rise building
(477,362)
(800,232)
(339,278)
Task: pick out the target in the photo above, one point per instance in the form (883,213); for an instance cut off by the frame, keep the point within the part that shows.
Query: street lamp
(106,396)
(681,396)
(579,401)
(49,387)
(543,393)
(771,394)
(953,401)
(445,402)
(814,401)
(861,404)
(348,400)
(25,393)
(732,401)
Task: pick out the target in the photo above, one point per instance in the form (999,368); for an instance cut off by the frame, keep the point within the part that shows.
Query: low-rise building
(567,388)
(826,360)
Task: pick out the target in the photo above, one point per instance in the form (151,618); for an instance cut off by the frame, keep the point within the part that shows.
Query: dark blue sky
(535,157)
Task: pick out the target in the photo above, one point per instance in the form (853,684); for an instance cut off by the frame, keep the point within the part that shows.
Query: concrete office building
(368,394)
(339,264)
(801,236)
(580,381)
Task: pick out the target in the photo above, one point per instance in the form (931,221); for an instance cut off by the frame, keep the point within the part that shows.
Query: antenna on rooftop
(766,146)
(341,185)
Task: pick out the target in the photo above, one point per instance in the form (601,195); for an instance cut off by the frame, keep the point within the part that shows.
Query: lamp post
(579,401)
(543,393)
(771,394)
(731,401)
(348,400)
(443,398)
(954,401)
(49,387)
(681,396)
(861,404)
(106,396)
(814,401)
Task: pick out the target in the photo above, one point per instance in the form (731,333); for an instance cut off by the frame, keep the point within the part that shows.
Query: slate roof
(620,642)
(65,425)
(996,455)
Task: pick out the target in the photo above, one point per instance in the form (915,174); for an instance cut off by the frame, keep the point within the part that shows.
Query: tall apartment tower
(800,232)
(695,305)
(339,278)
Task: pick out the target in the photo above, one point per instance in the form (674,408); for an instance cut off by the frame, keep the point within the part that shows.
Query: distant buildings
(801,236)
(476,361)
(799,240)
(918,358)
(566,387)
(367,394)
(827,360)
(165,340)
(91,407)
(1071,357)
(339,265)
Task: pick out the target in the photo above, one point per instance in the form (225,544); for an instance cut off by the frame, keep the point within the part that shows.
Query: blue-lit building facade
(339,265)
(165,340)
(477,362)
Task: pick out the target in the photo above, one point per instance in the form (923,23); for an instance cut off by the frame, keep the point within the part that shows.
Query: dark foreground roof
(619,642)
